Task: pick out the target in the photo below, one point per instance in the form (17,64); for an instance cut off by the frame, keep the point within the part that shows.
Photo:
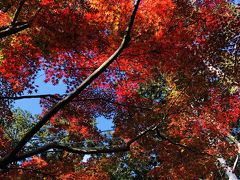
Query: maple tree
(166,73)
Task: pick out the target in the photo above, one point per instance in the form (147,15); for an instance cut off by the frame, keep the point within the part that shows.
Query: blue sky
(236,1)
(33,105)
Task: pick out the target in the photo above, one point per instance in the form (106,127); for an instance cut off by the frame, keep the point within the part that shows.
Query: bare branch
(13,30)
(123,148)
(71,150)
(28,97)
(126,39)
(15,26)
(17,12)
(59,97)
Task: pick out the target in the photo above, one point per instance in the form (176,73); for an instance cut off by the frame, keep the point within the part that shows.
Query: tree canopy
(165,72)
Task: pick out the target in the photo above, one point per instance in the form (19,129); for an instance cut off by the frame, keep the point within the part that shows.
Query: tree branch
(13,30)
(77,100)
(15,26)
(126,39)
(123,148)
(17,12)
(28,97)
(71,150)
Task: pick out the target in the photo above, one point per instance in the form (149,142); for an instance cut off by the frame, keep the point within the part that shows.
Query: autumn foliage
(172,92)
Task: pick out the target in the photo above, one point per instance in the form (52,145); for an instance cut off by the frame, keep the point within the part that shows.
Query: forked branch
(15,25)
(69,149)
(11,157)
